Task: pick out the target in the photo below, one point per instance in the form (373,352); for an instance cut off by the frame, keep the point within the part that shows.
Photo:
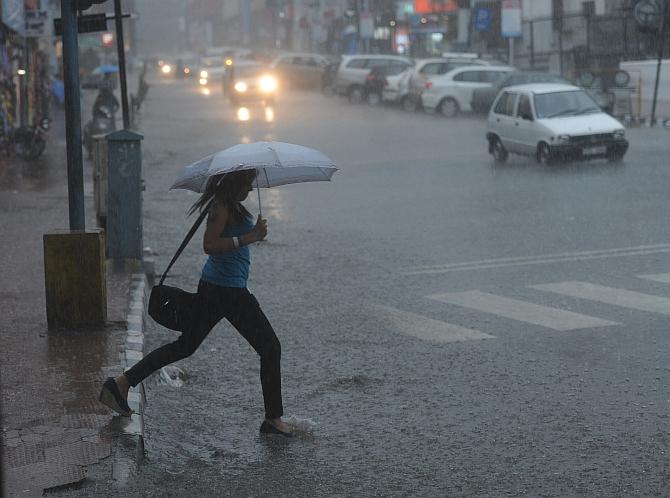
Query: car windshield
(568,103)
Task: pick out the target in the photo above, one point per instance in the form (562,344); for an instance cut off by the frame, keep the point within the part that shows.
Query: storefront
(24,64)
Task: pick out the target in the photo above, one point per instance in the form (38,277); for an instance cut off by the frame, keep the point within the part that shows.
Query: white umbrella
(276,163)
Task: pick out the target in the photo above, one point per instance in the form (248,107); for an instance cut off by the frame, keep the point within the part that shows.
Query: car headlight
(619,133)
(241,87)
(563,139)
(166,68)
(203,81)
(268,83)
(204,74)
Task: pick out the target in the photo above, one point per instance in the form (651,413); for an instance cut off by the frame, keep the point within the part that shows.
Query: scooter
(28,142)
(103,122)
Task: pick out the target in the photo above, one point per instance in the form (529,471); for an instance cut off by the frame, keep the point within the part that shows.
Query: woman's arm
(213,243)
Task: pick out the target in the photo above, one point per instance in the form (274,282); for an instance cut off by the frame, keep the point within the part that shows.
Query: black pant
(242,310)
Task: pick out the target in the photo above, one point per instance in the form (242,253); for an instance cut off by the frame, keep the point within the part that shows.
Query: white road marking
(426,328)
(610,295)
(658,277)
(537,260)
(522,311)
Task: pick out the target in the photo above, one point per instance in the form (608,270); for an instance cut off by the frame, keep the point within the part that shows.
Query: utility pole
(121,53)
(75,167)
(661,45)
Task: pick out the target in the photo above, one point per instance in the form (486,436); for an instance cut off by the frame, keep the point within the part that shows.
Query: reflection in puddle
(273,203)
(265,113)
(243,114)
(205,91)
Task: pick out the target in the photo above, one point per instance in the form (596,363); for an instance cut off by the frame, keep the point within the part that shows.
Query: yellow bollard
(75,278)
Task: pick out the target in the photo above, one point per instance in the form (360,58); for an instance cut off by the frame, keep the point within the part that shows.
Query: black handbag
(170,306)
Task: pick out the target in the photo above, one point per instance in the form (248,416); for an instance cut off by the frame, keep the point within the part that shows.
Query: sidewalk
(53,428)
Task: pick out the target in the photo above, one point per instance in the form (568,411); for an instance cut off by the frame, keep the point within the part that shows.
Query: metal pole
(661,43)
(532,45)
(121,51)
(75,167)
(560,45)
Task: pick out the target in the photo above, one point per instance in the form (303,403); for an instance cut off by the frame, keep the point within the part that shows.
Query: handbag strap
(187,239)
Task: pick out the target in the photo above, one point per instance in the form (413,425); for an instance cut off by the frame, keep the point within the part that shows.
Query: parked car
(451,93)
(386,83)
(354,69)
(552,122)
(426,68)
(482,98)
(251,81)
(300,70)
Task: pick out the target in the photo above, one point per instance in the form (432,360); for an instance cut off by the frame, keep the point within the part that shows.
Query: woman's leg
(208,313)
(250,321)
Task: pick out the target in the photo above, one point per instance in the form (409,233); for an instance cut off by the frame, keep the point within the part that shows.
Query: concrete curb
(133,352)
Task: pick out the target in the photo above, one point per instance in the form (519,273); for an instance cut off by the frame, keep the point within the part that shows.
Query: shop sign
(12,14)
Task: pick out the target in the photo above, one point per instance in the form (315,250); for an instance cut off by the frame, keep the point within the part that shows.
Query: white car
(552,122)
(451,93)
(427,68)
(354,69)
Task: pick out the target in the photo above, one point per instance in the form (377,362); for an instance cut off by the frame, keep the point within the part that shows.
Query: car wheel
(356,95)
(544,154)
(374,98)
(409,103)
(449,108)
(499,152)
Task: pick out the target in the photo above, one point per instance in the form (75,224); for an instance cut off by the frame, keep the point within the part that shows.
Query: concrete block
(75,278)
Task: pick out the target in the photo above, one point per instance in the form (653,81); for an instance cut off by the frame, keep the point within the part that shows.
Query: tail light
(369,77)
(429,85)
(385,82)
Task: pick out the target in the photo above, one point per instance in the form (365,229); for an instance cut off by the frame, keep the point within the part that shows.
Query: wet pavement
(395,390)
(53,427)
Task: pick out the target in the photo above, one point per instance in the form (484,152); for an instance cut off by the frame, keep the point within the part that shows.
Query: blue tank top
(231,268)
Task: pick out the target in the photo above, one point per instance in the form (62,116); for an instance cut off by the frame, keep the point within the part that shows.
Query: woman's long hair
(226,187)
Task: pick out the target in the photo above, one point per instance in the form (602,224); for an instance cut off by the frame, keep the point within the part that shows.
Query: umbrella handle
(258,189)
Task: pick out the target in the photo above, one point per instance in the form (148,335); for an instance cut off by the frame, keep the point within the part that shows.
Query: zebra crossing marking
(537,260)
(522,311)
(657,277)
(425,328)
(610,295)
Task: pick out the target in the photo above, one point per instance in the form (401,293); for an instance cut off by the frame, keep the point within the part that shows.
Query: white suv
(552,122)
(451,93)
(353,69)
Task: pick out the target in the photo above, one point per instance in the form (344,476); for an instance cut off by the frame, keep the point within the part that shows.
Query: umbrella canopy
(106,69)
(276,163)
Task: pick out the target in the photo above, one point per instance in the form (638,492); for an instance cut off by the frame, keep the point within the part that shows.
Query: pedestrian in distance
(222,293)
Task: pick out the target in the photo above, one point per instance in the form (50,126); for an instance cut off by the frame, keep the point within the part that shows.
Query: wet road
(449,327)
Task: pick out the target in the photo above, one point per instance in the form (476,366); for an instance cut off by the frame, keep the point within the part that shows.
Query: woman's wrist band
(236,242)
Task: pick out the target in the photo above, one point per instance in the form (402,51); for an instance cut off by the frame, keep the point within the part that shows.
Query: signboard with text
(36,19)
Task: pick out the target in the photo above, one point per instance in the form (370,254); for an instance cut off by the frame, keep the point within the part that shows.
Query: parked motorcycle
(28,142)
(103,122)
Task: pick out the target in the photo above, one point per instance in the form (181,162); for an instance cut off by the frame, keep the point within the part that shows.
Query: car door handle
(497,120)
(516,124)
